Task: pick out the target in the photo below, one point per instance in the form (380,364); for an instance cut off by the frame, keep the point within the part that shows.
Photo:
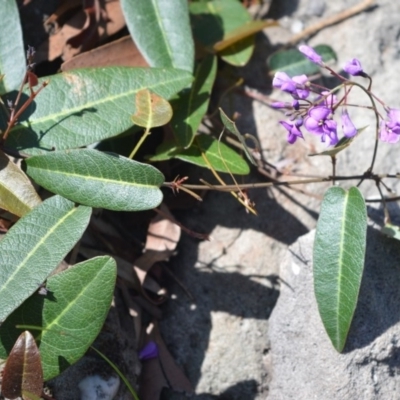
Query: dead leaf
(162,239)
(122,52)
(65,42)
(23,374)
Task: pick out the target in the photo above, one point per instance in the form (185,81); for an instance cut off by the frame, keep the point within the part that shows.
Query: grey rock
(305,364)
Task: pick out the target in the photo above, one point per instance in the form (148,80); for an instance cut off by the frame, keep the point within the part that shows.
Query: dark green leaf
(70,315)
(12,54)
(213,21)
(34,247)
(339,252)
(98,179)
(219,155)
(161,31)
(17,194)
(84,106)
(295,63)
(191,104)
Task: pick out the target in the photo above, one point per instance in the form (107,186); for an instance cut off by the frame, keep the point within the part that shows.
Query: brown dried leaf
(23,375)
(162,238)
(122,52)
(109,20)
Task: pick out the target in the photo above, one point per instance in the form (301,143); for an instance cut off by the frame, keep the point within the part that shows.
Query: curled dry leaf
(162,238)
(67,41)
(122,52)
(23,374)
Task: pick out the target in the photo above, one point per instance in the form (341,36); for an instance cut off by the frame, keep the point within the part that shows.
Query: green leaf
(231,126)
(220,156)
(17,194)
(191,104)
(12,54)
(392,231)
(98,179)
(70,315)
(343,143)
(339,252)
(85,106)
(242,32)
(295,63)
(161,31)
(151,110)
(34,247)
(215,21)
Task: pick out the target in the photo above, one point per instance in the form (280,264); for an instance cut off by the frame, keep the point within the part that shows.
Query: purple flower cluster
(316,114)
(313,108)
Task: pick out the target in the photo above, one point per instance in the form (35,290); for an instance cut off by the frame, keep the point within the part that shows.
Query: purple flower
(293,130)
(319,122)
(349,130)
(387,135)
(301,90)
(390,130)
(149,351)
(354,68)
(311,54)
(284,82)
(329,99)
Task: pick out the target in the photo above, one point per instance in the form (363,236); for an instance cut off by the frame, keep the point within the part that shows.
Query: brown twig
(334,19)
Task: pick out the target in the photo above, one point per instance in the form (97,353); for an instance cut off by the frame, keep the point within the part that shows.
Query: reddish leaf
(23,374)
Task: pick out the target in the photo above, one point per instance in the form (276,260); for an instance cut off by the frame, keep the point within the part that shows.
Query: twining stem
(140,142)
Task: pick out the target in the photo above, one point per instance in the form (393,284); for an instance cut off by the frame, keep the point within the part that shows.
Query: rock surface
(304,363)
(223,344)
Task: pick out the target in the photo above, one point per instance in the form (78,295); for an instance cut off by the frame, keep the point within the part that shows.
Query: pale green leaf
(231,126)
(161,31)
(339,252)
(84,106)
(34,247)
(98,179)
(69,317)
(151,110)
(17,194)
(12,54)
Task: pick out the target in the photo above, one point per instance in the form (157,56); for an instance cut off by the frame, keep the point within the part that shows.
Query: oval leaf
(34,247)
(81,107)
(339,252)
(191,104)
(215,21)
(17,194)
(219,155)
(103,180)
(23,374)
(295,63)
(151,110)
(161,31)
(12,54)
(70,316)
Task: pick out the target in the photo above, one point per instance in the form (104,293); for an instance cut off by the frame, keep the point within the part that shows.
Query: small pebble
(96,388)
